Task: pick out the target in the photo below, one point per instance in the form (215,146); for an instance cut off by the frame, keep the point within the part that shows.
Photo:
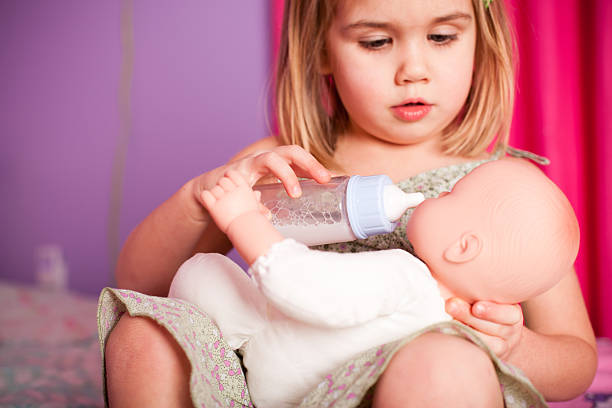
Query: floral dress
(217,378)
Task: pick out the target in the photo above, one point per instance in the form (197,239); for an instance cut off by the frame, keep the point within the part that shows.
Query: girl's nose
(411,68)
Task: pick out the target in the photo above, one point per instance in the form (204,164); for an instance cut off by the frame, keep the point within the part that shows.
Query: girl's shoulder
(434,181)
(259,146)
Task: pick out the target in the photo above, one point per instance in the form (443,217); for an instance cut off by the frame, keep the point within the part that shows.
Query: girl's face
(403,68)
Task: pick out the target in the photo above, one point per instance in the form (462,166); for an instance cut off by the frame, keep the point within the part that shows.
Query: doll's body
(305,312)
(309,311)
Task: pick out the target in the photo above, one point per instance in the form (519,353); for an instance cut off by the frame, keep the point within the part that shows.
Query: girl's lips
(411,112)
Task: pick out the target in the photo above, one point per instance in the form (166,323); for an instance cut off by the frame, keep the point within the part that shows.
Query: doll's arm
(346,289)
(322,288)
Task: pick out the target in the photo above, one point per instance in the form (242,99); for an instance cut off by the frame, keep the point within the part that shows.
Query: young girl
(417,90)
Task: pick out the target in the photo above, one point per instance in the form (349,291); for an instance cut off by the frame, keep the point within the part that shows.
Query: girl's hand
(499,326)
(286,163)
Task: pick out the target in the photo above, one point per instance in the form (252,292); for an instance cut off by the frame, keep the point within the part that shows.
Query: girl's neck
(366,155)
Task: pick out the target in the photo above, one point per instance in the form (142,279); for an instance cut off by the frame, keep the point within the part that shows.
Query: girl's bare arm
(167,237)
(557,351)
(180,226)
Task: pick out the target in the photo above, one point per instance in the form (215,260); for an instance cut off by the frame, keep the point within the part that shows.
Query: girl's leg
(145,367)
(438,370)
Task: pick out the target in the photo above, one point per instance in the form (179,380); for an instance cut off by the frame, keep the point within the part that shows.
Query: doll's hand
(500,326)
(286,163)
(231,198)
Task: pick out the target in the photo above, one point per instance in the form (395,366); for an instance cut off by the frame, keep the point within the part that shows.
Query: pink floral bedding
(50,357)
(49,352)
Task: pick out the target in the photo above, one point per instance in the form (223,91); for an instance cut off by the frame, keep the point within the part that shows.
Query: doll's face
(437,225)
(436,222)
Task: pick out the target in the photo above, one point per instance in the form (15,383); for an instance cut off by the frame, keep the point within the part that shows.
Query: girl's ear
(465,249)
(324,67)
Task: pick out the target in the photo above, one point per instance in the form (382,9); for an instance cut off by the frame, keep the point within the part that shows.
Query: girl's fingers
(286,163)
(458,308)
(277,165)
(461,311)
(304,163)
(499,313)
(499,326)
(497,345)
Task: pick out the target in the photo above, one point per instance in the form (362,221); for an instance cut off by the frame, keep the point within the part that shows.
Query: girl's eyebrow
(376,24)
(452,16)
(365,24)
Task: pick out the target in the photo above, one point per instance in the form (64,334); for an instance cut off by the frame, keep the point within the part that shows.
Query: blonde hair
(309,111)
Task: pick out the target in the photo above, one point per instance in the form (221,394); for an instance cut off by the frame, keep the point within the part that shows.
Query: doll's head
(505,233)
(311,113)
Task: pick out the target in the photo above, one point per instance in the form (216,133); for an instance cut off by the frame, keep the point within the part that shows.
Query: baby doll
(505,233)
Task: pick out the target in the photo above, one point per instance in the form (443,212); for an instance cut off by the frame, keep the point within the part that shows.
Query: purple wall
(198,93)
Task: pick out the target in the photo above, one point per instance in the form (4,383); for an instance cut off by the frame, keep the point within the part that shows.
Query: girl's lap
(217,378)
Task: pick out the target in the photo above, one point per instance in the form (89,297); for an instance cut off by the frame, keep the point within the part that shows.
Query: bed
(49,353)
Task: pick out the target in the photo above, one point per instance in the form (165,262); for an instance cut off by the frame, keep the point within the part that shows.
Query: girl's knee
(138,341)
(439,370)
(142,360)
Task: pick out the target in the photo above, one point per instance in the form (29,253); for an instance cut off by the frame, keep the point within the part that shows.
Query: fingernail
(296,191)
(479,309)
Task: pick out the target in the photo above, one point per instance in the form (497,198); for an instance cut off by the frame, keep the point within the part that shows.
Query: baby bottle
(345,209)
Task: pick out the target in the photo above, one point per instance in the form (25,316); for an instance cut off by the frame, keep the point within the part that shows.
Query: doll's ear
(465,249)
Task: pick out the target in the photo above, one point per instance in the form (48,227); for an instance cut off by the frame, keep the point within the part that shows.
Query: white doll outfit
(305,312)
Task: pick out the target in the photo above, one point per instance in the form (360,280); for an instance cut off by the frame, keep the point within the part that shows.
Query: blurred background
(108,107)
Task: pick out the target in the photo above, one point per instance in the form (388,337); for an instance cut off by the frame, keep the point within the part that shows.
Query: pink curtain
(565,80)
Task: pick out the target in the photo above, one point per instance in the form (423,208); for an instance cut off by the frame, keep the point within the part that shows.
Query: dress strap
(524,154)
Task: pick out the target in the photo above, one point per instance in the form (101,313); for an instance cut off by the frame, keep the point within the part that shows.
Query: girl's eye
(442,39)
(375,44)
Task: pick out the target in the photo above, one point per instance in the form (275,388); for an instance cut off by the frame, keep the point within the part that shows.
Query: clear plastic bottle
(345,209)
